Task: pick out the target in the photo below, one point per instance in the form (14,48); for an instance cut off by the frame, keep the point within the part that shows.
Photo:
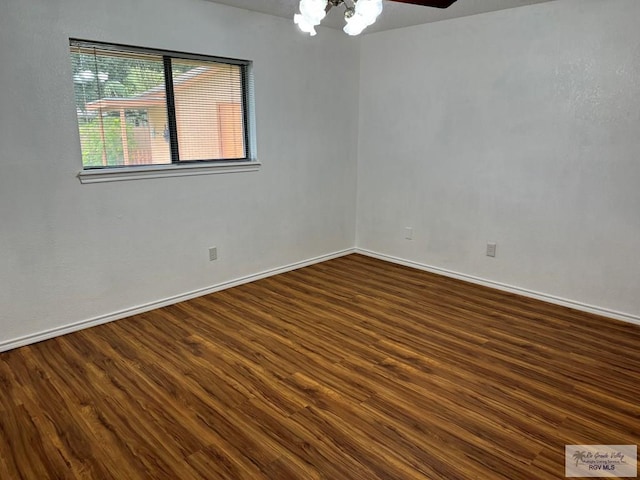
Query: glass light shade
(304,25)
(311,14)
(369,10)
(355,25)
(313,10)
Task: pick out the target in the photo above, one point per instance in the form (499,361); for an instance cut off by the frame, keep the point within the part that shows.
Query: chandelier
(358,16)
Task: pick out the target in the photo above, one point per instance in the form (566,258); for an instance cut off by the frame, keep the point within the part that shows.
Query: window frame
(177,167)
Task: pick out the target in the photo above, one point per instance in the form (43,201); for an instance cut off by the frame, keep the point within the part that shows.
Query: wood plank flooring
(350,369)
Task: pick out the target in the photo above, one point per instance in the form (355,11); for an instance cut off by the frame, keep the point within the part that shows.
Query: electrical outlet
(213,254)
(408,233)
(491,249)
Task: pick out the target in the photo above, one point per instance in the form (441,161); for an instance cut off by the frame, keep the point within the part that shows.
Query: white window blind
(145,107)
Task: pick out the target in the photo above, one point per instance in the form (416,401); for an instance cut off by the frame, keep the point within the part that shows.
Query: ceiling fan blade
(429,3)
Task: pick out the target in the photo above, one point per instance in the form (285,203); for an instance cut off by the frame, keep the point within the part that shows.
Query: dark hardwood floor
(350,369)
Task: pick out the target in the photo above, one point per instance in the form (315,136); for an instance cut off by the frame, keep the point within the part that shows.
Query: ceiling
(395,15)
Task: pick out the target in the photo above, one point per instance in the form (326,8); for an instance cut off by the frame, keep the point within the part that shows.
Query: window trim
(100,174)
(117,174)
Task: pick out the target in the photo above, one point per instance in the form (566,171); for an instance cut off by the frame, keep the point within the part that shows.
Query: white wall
(71,252)
(521,127)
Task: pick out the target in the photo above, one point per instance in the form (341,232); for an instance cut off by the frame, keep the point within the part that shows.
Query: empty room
(319,239)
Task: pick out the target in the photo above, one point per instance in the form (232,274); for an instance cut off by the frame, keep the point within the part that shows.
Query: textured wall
(520,127)
(72,252)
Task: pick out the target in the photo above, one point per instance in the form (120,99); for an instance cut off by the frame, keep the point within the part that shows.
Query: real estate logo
(601,460)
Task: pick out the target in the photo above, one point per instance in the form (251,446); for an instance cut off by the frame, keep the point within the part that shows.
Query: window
(141,107)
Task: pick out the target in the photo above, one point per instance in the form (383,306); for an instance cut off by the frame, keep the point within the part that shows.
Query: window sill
(122,174)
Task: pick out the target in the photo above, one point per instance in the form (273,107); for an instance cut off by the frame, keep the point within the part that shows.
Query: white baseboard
(73,327)
(605,312)
(92,322)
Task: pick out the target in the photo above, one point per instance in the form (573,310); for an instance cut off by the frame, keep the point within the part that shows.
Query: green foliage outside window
(93,147)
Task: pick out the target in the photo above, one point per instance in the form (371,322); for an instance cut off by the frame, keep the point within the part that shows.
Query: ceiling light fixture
(359,16)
